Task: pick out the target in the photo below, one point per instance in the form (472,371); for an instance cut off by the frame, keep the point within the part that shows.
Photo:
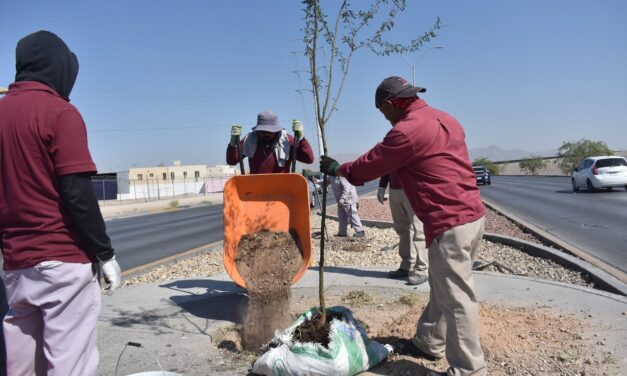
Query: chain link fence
(152,189)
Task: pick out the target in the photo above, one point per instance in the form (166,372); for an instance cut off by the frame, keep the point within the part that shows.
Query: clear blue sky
(517,74)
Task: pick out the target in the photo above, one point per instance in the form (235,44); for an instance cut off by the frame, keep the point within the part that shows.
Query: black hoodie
(44,57)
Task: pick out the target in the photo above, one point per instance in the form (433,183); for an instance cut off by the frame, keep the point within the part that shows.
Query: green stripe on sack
(355,360)
(278,368)
(315,352)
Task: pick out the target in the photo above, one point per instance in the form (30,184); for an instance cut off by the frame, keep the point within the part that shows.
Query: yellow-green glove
(236,131)
(299,130)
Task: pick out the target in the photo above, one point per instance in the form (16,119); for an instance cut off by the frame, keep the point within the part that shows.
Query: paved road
(595,222)
(143,239)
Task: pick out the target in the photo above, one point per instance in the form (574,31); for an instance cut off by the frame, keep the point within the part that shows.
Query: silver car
(600,172)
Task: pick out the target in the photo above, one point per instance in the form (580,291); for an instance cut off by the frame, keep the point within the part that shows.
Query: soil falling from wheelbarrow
(267,261)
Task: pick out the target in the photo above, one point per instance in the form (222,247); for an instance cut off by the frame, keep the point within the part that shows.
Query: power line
(155,129)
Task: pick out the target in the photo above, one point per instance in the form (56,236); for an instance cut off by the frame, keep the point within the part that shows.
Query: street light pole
(413,65)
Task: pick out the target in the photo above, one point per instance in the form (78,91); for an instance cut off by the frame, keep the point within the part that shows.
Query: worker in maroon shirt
(53,235)
(268,147)
(426,149)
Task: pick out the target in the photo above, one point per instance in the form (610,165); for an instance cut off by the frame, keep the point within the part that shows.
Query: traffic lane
(607,206)
(590,221)
(594,223)
(144,239)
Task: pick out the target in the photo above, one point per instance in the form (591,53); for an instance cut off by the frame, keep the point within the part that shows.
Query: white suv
(600,172)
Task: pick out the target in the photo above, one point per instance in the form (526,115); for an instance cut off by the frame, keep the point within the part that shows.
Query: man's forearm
(81,207)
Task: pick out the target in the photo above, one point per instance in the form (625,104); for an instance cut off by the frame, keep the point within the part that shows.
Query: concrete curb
(367,222)
(602,280)
(560,244)
(146,268)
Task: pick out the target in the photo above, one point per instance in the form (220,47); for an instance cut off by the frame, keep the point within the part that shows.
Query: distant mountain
(493,153)
(496,154)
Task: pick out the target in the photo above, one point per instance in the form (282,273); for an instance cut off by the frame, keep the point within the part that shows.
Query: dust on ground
(516,341)
(267,261)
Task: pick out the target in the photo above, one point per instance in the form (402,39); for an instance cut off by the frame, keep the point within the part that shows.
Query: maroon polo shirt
(42,136)
(264,161)
(427,151)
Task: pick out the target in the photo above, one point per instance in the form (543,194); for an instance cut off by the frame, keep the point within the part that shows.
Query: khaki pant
(449,325)
(50,328)
(411,247)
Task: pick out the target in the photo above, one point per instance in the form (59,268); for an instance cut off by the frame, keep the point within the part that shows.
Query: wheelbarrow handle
(294,150)
(239,155)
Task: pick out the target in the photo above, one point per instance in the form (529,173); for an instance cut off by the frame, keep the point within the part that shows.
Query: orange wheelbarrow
(273,202)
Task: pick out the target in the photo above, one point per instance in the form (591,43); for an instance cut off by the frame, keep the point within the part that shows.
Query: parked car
(607,171)
(483,175)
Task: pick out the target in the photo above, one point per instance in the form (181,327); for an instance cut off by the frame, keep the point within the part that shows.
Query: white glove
(236,130)
(112,274)
(381,194)
(299,130)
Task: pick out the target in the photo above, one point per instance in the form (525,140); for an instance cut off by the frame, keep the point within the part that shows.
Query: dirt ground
(516,341)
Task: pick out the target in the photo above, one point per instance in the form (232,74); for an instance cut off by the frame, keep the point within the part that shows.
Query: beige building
(161,182)
(222,170)
(164,173)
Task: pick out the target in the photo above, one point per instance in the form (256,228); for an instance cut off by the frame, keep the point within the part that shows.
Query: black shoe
(340,236)
(360,234)
(398,274)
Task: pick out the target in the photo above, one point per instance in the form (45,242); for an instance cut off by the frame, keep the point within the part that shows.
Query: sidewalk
(175,321)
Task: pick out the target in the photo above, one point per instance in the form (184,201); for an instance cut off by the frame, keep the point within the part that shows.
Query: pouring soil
(267,261)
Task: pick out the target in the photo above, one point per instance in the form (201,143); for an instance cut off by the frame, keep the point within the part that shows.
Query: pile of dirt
(267,261)
(311,331)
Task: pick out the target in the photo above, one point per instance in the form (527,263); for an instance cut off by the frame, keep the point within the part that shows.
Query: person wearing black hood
(54,238)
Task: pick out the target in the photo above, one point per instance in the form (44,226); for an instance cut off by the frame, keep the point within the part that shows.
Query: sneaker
(416,279)
(398,274)
(340,235)
(360,234)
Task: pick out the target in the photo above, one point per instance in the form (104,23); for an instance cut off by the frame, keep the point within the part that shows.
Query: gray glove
(381,194)
(112,274)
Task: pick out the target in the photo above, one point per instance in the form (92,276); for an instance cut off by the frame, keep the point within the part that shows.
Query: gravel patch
(195,267)
(380,248)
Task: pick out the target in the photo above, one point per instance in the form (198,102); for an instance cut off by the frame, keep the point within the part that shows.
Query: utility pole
(413,65)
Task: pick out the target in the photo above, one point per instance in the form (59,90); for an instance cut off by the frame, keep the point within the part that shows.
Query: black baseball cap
(395,87)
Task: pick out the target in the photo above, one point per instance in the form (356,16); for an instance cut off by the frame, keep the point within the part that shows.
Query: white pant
(50,328)
(346,214)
